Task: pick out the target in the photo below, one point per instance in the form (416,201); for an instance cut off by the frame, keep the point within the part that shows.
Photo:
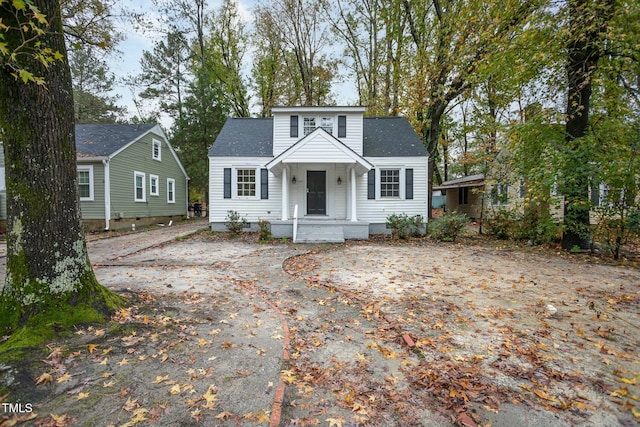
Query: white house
(317,173)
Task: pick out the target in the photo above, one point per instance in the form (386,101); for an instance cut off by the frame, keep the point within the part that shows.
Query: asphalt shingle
(105,139)
(383,137)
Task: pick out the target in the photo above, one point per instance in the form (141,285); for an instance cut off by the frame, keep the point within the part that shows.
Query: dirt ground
(232,332)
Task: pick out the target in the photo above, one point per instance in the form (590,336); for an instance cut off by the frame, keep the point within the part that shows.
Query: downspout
(107,194)
(187,193)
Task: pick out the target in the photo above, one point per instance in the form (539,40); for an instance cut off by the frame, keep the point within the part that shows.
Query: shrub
(502,224)
(403,226)
(265,230)
(537,225)
(448,227)
(234,222)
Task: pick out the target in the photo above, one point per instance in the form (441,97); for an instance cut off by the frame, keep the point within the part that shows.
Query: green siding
(137,157)
(94,209)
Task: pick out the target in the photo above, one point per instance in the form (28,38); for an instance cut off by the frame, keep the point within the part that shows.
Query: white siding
(376,211)
(336,194)
(281,130)
(318,147)
(252,209)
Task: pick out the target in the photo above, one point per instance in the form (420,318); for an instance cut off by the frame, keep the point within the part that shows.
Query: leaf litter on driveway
(378,335)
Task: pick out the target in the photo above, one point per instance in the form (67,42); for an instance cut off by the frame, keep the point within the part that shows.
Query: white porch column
(354,216)
(285,194)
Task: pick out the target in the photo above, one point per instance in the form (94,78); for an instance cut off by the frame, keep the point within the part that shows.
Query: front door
(316,193)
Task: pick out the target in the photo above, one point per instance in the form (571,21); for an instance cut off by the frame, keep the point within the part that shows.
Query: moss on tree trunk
(49,282)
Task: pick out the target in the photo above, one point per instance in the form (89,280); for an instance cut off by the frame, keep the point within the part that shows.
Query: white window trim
(151,178)
(401,183)
(173,185)
(144,186)
(235,183)
(157,142)
(91,194)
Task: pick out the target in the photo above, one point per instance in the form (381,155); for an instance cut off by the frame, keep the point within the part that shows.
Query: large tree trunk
(48,270)
(588,26)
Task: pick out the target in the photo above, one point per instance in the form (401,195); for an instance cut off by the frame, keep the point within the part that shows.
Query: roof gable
(319,144)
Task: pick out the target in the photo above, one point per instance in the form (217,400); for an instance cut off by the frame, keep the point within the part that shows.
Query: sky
(127,62)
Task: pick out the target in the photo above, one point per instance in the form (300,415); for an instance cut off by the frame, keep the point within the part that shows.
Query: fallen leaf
(44,379)
(63,379)
(82,395)
(160,379)
(337,422)
(225,415)
(542,395)
(211,397)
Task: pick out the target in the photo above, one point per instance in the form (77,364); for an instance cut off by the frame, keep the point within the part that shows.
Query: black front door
(316,193)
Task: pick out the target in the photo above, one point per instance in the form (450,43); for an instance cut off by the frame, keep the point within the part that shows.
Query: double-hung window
(85,182)
(389,182)
(156,149)
(139,187)
(154,187)
(326,123)
(246,182)
(309,125)
(171,190)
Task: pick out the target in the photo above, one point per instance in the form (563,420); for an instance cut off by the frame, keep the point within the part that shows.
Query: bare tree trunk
(48,269)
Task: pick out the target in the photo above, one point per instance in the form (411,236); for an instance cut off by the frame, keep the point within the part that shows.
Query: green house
(127,174)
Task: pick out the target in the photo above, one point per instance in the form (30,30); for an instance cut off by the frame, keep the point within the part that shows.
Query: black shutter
(294,127)
(264,184)
(408,184)
(342,126)
(371,184)
(227,183)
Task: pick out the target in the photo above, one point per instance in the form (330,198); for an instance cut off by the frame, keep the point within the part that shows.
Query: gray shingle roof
(390,137)
(244,137)
(105,139)
(383,137)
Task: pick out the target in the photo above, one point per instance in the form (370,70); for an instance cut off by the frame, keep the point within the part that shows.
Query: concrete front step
(320,234)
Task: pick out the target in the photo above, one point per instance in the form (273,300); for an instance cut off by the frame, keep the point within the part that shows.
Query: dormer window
(311,123)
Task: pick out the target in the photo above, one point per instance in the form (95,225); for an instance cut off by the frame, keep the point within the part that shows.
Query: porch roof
(466,181)
(319,147)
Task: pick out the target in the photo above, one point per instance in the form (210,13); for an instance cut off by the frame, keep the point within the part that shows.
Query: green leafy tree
(226,46)
(588,28)
(450,59)
(268,63)
(92,81)
(49,279)
(165,74)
